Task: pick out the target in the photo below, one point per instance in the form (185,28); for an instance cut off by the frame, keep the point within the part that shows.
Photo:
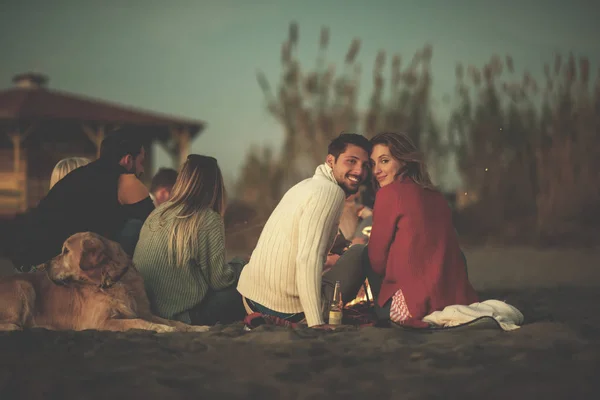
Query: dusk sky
(198,59)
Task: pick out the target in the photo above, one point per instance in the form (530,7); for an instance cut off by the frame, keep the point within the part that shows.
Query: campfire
(363,295)
(359,311)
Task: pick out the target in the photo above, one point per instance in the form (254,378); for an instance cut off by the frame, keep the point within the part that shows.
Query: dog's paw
(198,328)
(163,328)
(10,327)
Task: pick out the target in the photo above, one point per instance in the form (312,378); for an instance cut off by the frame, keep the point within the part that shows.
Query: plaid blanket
(257,319)
(360,314)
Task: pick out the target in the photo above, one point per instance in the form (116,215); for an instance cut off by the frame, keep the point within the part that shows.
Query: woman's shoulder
(393,189)
(403,189)
(407,186)
(211,219)
(131,190)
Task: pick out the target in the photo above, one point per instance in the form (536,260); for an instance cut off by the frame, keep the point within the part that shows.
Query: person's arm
(386,214)
(131,189)
(139,210)
(218,273)
(317,224)
(135,197)
(363,231)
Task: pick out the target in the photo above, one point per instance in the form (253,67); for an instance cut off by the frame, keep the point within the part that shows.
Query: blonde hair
(199,187)
(66,165)
(403,149)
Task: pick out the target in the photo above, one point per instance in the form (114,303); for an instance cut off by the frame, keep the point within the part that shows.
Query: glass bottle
(337,306)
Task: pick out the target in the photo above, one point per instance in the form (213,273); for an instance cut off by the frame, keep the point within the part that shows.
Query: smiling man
(284,275)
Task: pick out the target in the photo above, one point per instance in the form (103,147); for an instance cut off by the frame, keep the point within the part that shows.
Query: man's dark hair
(119,144)
(339,144)
(164,178)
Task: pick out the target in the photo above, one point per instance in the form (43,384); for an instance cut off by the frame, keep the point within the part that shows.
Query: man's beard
(349,191)
(137,174)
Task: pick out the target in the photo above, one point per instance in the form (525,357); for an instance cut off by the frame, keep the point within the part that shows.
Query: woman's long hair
(199,187)
(66,165)
(403,149)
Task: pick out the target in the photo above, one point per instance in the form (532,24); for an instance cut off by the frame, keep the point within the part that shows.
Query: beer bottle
(337,306)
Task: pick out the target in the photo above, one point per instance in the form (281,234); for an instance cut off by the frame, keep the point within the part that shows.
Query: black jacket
(84,200)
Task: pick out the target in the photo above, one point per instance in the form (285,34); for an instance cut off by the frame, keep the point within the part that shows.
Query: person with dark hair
(119,145)
(105,197)
(162,184)
(285,275)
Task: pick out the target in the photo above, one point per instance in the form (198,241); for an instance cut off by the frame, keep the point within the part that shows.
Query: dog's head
(90,259)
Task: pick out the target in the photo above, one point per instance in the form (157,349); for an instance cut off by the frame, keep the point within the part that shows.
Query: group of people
(175,234)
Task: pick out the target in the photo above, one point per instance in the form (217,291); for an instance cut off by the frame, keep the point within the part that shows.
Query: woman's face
(385,167)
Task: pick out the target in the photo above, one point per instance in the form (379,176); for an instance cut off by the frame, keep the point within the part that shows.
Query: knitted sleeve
(317,225)
(386,213)
(218,273)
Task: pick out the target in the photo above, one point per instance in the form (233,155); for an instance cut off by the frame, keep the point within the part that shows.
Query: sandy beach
(555,355)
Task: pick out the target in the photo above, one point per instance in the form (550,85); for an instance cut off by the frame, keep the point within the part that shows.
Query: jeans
(375,281)
(254,306)
(351,270)
(219,306)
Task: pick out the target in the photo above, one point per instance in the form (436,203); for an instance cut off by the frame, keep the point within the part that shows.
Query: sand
(555,355)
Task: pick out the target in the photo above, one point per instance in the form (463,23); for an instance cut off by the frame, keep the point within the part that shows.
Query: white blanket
(507,316)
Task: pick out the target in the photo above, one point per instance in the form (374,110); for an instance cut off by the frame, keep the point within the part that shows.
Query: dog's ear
(92,253)
(117,253)
(116,264)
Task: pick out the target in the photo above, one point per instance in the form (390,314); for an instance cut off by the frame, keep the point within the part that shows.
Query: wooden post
(17,139)
(184,145)
(96,136)
(182,138)
(169,149)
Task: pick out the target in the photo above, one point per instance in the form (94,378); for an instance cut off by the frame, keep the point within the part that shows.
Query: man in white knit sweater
(283,277)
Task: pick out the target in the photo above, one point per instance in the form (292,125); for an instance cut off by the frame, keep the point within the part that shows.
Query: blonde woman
(66,165)
(181,250)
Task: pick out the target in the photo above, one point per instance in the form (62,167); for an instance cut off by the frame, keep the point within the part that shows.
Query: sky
(199,58)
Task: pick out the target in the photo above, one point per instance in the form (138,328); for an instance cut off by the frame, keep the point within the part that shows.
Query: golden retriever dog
(92,284)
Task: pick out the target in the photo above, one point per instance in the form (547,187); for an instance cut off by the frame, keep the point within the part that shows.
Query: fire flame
(362,295)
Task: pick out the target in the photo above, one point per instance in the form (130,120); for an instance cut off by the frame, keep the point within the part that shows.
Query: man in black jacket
(105,197)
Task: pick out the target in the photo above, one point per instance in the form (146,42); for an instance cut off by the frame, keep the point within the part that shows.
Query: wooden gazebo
(40,126)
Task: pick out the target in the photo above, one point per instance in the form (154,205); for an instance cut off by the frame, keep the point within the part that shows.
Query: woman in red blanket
(417,266)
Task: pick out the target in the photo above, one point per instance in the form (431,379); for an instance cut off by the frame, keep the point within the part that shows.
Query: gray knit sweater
(175,289)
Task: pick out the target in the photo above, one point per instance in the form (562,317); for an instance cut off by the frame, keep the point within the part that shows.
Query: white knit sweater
(284,272)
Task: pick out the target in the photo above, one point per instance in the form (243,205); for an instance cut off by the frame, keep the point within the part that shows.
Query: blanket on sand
(507,316)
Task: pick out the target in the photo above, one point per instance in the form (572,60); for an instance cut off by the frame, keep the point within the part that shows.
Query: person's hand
(365,212)
(325,327)
(331,260)
(359,240)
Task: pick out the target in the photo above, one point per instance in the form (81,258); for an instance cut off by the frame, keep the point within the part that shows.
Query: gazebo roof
(31,101)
